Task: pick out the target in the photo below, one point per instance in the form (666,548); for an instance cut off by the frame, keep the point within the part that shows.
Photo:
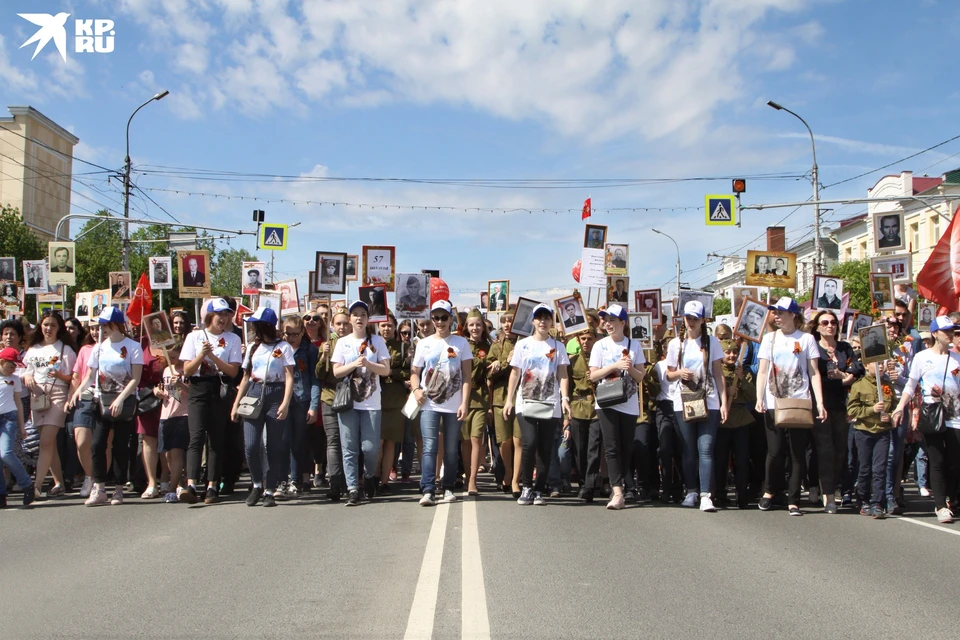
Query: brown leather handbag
(790,413)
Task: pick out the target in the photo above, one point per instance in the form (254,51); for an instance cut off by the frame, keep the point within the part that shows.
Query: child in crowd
(12,424)
(871,437)
(174,430)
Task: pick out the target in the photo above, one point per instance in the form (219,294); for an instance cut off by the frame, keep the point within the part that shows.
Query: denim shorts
(84,414)
(174,434)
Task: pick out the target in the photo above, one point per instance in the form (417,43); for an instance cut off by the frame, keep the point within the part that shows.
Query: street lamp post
(126,183)
(818,247)
(678,257)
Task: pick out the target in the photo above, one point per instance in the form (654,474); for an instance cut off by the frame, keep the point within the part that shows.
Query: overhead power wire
(887,166)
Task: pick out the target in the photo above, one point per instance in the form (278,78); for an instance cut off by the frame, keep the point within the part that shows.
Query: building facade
(36,169)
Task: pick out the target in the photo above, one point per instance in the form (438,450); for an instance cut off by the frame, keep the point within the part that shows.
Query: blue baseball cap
(264,315)
(785,304)
(615,311)
(217,305)
(694,309)
(359,303)
(111,314)
(942,323)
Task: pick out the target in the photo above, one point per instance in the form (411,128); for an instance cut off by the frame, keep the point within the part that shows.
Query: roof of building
(42,119)
(924,183)
(852,220)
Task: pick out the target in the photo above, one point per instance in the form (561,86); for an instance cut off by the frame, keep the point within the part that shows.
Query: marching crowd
(330,402)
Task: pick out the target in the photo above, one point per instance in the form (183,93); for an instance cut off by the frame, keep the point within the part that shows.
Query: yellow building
(36,169)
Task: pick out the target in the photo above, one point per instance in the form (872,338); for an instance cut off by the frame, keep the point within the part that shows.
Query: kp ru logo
(90,36)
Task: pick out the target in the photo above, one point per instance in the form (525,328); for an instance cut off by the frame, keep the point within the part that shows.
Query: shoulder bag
(147,401)
(250,407)
(694,400)
(535,408)
(932,420)
(613,392)
(127,412)
(789,413)
(42,402)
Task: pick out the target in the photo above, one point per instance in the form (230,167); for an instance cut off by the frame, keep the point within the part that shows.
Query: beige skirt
(56,415)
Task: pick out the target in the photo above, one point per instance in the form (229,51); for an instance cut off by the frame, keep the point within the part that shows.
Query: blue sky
(568,90)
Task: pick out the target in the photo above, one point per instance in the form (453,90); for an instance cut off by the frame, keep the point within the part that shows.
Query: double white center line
(473,594)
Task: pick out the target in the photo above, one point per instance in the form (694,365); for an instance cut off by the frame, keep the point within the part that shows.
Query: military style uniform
(584,423)
(393,395)
(502,351)
(331,426)
(734,434)
(473,426)
(645,444)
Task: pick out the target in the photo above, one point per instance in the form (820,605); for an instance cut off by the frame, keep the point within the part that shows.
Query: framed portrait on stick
(926,312)
(648,301)
(899,265)
(739,293)
(330,274)
(573,317)
(351,268)
(120,291)
(616,258)
(289,300)
(888,231)
(193,278)
(594,236)
(158,330)
(413,296)
(704,297)
(640,326)
(874,346)
(161,273)
(752,320)
(379,266)
(252,277)
(618,290)
(523,318)
(63,259)
(35,276)
(376,298)
(881,291)
(498,295)
(771,269)
(827,293)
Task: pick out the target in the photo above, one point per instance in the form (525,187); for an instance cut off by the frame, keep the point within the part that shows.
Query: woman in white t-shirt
(116,364)
(668,436)
(267,375)
(50,357)
(539,368)
(694,363)
(788,369)
(12,425)
(364,359)
(618,356)
(440,379)
(211,357)
(936,371)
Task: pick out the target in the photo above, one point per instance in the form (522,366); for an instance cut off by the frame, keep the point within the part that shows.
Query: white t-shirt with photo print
(443,357)
(693,360)
(607,352)
(538,361)
(366,384)
(931,371)
(269,361)
(789,357)
(114,363)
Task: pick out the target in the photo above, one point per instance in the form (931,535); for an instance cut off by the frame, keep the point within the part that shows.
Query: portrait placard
(640,326)
(881,290)
(99,300)
(874,346)
(35,276)
(120,291)
(289,300)
(351,268)
(158,330)
(573,317)
(63,259)
(888,231)
(704,297)
(376,298)
(270,299)
(193,266)
(739,293)
(523,318)
(771,269)
(752,320)
(252,277)
(498,293)
(648,301)
(827,293)
(857,322)
(899,265)
(616,259)
(379,267)
(8,269)
(413,296)
(161,273)
(926,312)
(594,237)
(618,290)
(81,306)
(592,270)
(330,272)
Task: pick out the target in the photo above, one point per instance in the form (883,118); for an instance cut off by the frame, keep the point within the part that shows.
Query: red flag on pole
(142,303)
(939,280)
(587,209)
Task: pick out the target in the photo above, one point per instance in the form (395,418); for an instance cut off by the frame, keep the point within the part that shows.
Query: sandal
(150,494)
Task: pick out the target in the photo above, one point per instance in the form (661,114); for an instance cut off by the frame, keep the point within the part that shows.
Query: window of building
(863,249)
(915,236)
(934,229)
(848,254)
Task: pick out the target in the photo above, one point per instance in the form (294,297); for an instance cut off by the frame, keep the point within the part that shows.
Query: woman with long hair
(116,364)
(66,438)
(505,425)
(211,359)
(304,408)
(394,396)
(475,426)
(440,379)
(935,375)
(267,376)
(788,369)
(613,358)
(50,357)
(694,364)
(317,332)
(363,358)
(668,435)
(328,389)
(839,369)
(539,368)
(84,408)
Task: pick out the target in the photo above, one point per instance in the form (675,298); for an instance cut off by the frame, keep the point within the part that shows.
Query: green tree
(856,281)
(17,239)
(228,271)
(99,251)
(721,306)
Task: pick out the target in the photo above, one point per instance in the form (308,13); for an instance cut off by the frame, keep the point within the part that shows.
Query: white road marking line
(424,607)
(928,525)
(474,623)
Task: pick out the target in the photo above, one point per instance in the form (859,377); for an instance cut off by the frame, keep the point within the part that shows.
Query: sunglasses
(440,318)
(405,333)
(291,333)
(312,318)
(828,323)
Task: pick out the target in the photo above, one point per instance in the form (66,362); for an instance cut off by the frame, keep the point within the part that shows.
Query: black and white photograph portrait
(572,315)
(771,269)
(62,263)
(413,296)
(523,318)
(858,321)
(752,319)
(484,300)
(616,259)
(618,290)
(289,297)
(594,236)
(35,276)
(881,290)
(351,268)
(376,298)
(648,301)
(8,268)
(739,293)
(10,293)
(926,312)
(81,307)
(330,268)
(900,266)
(252,278)
(873,343)
(270,299)
(161,273)
(704,297)
(498,294)
(641,328)
(828,292)
(888,231)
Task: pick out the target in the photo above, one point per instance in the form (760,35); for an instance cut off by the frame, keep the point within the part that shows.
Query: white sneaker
(449,496)
(87,487)
(281,492)
(117,497)
(944,516)
(925,492)
(98,496)
(538,499)
(526,497)
(706,504)
(292,491)
(427,500)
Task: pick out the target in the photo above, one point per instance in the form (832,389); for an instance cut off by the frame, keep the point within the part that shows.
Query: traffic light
(739,185)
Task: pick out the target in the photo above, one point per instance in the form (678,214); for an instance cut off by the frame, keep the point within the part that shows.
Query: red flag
(939,280)
(142,303)
(587,209)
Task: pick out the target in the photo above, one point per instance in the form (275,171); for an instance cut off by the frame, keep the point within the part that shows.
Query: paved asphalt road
(474,569)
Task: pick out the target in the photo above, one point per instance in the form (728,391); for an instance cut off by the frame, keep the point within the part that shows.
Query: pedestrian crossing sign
(721,211)
(273,236)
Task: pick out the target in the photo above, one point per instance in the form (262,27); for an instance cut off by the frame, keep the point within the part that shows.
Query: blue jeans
(278,444)
(922,465)
(895,455)
(8,435)
(359,431)
(301,459)
(696,440)
(430,424)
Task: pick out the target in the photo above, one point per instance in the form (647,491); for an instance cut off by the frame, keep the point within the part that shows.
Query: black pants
(619,430)
(777,444)
(738,441)
(208,416)
(758,453)
(872,451)
(318,443)
(645,456)
(331,427)
(943,452)
(537,436)
(121,438)
(586,436)
(669,450)
(830,439)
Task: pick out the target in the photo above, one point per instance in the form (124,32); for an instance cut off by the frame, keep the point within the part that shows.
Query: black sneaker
(189,495)
(269,500)
(765,503)
(586,495)
(254,496)
(334,492)
(29,495)
(227,488)
(353,498)
(211,497)
(3,501)
(384,490)
(795,511)
(370,487)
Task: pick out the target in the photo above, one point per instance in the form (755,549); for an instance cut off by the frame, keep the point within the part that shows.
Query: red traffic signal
(739,185)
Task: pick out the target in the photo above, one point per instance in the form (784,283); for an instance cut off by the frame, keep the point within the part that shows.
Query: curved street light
(678,257)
